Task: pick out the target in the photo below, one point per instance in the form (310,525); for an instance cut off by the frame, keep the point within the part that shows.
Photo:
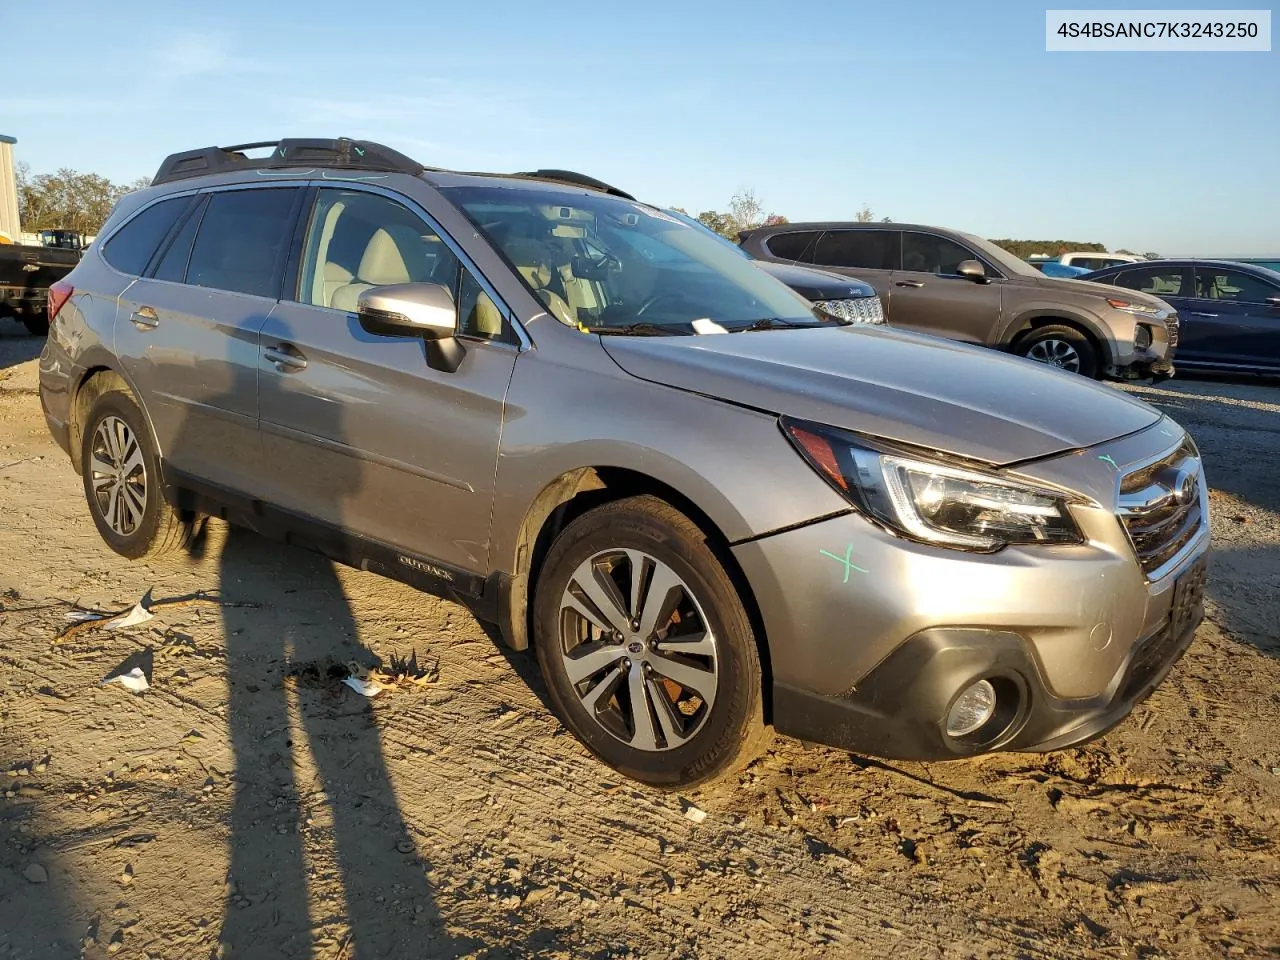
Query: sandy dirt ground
(249,804)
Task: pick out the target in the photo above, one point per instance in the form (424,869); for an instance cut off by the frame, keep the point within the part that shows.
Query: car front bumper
(872,638)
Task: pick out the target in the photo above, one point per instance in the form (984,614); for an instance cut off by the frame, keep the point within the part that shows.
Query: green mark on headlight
(849,565)
(1106,458)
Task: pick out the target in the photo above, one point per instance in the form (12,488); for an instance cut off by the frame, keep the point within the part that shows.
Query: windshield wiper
(639,330)
(774,323)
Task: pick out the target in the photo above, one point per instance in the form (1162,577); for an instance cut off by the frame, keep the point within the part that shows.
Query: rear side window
(241,243)
(796,246)
(1161,281)
(869,249)
(929,253)
(129,250)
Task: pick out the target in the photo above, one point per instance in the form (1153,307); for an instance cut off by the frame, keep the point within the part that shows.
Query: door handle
(286,357)
(144,318)
(1197,313)
(910,283)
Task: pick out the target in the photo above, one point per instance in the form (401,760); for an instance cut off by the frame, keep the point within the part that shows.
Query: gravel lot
(250,805)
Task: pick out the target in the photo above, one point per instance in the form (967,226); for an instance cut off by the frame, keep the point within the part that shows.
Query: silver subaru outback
(710,509)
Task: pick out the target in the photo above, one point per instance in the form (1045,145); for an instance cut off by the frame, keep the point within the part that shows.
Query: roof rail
(341,154)
(578,180)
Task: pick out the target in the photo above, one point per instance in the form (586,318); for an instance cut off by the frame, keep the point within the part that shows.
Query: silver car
(712,510)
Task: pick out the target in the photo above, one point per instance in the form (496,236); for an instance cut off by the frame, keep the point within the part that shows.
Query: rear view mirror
(423,310)
(972,270)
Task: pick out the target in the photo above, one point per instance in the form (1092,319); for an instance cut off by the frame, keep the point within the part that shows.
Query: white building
(9,225)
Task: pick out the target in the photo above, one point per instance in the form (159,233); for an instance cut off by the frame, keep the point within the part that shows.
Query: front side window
(242,241)
(1159,281)
(868,249)
(1216,284)
(611,265)
(357,240)
(928,253)
(130,249)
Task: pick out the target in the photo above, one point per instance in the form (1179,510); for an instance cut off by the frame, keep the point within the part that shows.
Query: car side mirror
(972,270)
(423,310)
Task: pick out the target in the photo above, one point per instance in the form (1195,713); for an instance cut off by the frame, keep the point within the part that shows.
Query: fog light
(972,709)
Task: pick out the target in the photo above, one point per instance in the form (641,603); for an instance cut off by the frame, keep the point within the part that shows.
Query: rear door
(1236,317)
(187,331)
(359,432)
(867,255)
(929,296)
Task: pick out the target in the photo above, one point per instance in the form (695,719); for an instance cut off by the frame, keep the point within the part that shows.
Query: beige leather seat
(332,278)
(383,263)
(530,258)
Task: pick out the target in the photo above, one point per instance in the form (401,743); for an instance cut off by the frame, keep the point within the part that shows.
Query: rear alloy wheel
(647,651)
(1060,346)
(121,475)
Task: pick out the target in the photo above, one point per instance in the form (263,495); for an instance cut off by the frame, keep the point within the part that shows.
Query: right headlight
(933,502)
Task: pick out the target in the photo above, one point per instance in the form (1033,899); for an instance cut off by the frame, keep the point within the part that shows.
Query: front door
(929,296)
(358,431)
(1233,318)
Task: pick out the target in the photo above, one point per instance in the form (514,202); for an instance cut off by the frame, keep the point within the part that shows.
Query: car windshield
(615,266)
(1001,257)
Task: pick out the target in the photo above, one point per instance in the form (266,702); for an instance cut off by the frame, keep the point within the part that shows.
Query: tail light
(59,294)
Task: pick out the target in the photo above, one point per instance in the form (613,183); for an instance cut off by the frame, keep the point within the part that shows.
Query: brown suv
(959,286)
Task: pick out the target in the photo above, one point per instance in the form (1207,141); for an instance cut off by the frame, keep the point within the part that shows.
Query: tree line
(71,200)
(68,199)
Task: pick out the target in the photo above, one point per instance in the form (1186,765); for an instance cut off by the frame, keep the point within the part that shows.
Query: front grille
(1160,506)
(1171,324)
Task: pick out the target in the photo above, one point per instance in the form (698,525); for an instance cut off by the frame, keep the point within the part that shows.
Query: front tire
(1060,346)
(121,476)
(647,651)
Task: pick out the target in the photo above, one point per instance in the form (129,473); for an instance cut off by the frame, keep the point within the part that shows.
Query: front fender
(572,407)
(1115,343)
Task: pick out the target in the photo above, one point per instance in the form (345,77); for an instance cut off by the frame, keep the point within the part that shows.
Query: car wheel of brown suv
(647,650)
(121,475)
(1060,346)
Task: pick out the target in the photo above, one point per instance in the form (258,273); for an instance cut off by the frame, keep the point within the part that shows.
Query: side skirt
(480,595)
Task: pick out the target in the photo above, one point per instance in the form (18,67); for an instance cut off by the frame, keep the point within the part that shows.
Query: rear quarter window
(131,247)
(798,245)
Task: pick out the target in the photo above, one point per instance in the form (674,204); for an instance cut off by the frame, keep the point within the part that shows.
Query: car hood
(816,284)
(926,392)
(1094,289)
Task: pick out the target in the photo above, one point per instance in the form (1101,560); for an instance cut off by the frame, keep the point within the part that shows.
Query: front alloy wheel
(648,653)
(1057,353)
(637,650)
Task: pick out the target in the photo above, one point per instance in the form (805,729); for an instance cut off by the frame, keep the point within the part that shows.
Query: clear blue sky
(946,113)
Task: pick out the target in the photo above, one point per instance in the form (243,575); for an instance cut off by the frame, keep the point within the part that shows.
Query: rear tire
(122,481)
(1060,346)
(647,651)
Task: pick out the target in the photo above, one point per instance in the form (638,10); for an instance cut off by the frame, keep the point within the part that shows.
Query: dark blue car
(1229,312)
